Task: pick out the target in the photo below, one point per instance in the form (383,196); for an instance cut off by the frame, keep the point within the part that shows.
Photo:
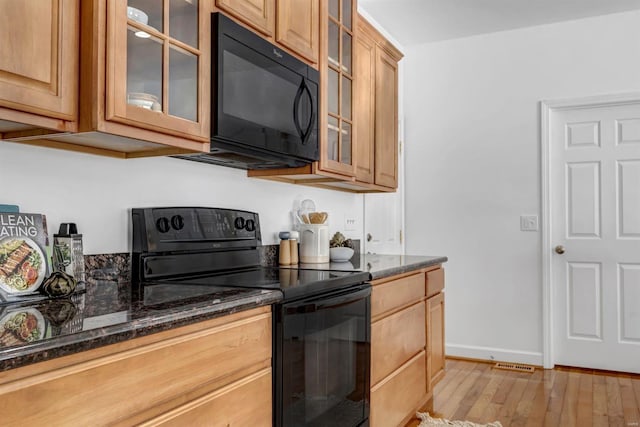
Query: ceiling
(421,21)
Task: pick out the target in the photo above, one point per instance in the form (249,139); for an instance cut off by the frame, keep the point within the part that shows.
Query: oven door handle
(318,303)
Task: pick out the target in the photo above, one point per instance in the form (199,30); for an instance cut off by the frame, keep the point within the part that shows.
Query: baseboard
(493,354)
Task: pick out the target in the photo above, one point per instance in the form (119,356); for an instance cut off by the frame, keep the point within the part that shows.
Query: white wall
(473,164)
(97,193)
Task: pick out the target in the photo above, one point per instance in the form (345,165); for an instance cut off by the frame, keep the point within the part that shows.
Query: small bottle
(285,248)
(293,243)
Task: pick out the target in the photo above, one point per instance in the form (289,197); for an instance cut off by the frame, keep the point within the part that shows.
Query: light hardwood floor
(562,397)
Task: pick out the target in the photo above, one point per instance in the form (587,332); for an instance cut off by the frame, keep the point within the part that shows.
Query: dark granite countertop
(379,266)
(106,314)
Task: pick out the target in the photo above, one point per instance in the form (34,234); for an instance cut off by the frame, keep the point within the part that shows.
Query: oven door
(322,360)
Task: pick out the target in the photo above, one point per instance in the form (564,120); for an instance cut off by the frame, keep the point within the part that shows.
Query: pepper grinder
(293,243)
(285,248)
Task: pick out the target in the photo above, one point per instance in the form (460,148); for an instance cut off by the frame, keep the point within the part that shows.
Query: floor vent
(514,367)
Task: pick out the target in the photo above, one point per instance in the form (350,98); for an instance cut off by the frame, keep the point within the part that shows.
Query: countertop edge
(53,349)
(407,268)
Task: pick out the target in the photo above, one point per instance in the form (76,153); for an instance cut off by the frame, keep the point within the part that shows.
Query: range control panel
(185,228)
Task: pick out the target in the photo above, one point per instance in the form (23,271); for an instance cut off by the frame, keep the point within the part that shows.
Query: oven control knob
(162,224)
(250,225)
(239,223)
(177,222)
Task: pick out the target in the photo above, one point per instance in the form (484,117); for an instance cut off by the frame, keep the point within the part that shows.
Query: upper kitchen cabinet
(143,80)
(156,66)
(376,104)
(290,24)
(297,27)
(258,14)
(38,65)
(153,81)
(337,81)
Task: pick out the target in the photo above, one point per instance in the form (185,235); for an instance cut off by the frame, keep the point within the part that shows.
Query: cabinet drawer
(435,281)
(400,394)
(135,379)
(243,403)
(396,293)
(396,339)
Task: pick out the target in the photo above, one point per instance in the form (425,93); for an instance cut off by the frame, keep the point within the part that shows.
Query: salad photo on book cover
(23,249)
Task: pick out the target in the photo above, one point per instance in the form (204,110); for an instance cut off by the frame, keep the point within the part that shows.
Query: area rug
(428,421)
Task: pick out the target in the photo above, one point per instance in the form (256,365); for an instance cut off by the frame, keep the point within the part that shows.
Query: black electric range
(321,329)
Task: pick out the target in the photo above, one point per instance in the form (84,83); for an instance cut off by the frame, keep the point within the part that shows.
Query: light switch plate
(529,223)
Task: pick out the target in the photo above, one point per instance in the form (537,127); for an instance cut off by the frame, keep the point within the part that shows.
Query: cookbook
(23,253)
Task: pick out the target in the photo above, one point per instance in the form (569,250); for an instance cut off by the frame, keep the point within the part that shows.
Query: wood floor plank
(585,400)
(450,408)
(472,395)
(629,405)
(505,388)
(523,409)
(614,402)
(453,377)
(552,417)
(561,397)
(569,412)
(481,405)
(541,399)
(514,397)
(635,383)
(600,400)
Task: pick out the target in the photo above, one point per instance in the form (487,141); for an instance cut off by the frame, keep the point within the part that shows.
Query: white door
(594,188)
(384,214)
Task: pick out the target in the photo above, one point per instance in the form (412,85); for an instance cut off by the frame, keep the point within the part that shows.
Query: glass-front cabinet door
(157,66)
(336,65)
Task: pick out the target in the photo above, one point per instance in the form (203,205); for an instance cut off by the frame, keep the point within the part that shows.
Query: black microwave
(264,105)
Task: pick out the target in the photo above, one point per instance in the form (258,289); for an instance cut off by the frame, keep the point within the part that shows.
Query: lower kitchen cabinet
(216,372)
(407,344)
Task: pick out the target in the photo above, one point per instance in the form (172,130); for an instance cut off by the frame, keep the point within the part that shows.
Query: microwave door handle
(312,116)
(296,118)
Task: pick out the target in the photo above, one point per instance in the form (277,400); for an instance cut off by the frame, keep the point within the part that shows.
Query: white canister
(314,243)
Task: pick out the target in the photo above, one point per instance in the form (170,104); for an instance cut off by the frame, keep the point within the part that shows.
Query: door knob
(369,237)
(559,249)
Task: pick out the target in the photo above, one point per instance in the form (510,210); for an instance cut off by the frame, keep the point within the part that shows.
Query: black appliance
(264,104)
(321,329)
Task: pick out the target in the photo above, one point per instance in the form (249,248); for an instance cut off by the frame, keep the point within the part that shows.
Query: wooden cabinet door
(158,68)
(396,339)
(39,57)
(435,339)
(386,128)
(364,105)
(243,403)
(396,398)
(297,27)
(258,14)
(337,137)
